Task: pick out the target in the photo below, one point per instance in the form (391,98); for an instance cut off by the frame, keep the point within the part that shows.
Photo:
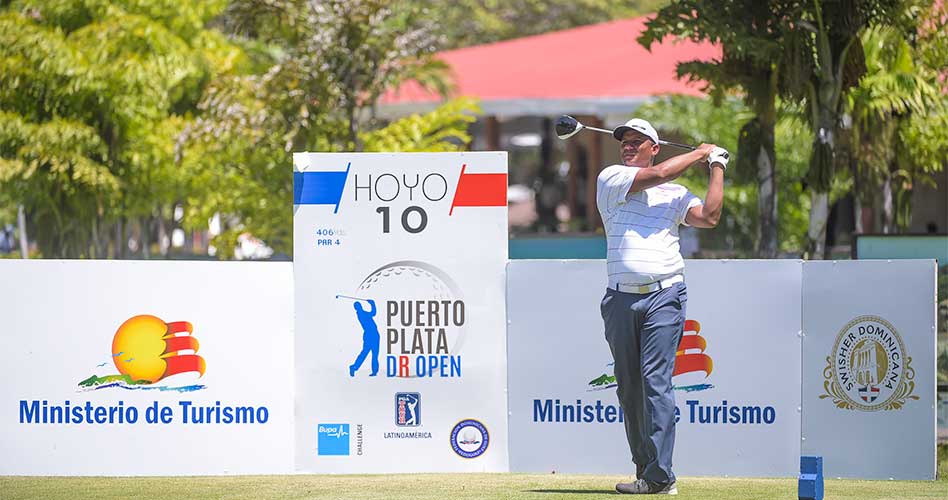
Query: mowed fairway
(444,486)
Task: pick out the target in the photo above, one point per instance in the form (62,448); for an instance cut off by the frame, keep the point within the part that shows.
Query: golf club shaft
(683,146)
(663,143)
(598,129)
(348,297)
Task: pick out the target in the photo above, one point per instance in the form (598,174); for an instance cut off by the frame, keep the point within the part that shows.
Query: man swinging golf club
(644,306)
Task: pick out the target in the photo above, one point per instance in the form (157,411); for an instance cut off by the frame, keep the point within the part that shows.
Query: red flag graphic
(480,190)
(693,361)
(184,363)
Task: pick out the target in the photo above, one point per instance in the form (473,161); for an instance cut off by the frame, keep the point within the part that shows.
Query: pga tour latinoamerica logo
(146,351)
(407,409)
(469,438)
(692,365)
(411,316)
(869,369)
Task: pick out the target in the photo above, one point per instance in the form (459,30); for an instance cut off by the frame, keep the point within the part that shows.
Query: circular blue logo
(469,438)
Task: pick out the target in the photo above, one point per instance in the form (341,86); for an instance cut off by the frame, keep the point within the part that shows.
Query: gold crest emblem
(869,369)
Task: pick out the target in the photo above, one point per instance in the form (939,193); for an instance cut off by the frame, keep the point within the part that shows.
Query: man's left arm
(708,214)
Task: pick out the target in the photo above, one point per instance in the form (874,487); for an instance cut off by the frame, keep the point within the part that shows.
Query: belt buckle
(639,289)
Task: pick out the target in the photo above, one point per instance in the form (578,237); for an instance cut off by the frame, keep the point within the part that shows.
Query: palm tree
(892,91)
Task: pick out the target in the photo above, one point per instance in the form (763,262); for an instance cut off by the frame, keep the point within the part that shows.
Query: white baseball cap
(639,125)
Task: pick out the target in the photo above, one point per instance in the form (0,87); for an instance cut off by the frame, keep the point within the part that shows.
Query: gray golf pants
(643,331)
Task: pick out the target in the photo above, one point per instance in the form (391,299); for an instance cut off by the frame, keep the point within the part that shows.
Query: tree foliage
(898,118)
(752,36)
(473,22)
(695,120)
(89,92)
(327,64)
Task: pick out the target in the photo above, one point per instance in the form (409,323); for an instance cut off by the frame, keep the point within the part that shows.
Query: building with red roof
(598,69)
(598,73)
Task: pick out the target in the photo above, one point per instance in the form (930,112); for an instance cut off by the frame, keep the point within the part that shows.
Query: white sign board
(869,368)
(738,395)
(146,368)
(399,275)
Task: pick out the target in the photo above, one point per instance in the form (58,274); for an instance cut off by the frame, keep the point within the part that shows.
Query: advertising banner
(869,368)
(737,371)
(399,279)
(146,368)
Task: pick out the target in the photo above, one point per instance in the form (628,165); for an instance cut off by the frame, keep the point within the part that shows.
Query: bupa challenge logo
(469,438)
(332,439)
(869,369)
(146,351)
(411,316)
(692,365)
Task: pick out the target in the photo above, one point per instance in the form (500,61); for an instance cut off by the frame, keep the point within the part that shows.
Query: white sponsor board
(740,419)
(400,335)
(869,368)
(102,371)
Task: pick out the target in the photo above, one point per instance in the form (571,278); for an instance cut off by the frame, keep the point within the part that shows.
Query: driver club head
(567,126)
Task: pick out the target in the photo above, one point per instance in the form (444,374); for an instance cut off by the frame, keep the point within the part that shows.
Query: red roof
(600,61)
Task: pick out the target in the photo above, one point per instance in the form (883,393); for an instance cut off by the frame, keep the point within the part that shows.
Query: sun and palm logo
(692,365)
(145,351)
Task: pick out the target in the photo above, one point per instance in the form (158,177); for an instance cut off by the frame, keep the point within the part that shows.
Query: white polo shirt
(642,227)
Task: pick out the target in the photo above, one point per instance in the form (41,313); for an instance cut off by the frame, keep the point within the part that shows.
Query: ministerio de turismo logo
(869,368)
(693,365)
(149,355)
(146,350)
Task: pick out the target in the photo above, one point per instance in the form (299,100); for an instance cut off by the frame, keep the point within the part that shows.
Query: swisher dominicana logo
(146,351)
(869,369)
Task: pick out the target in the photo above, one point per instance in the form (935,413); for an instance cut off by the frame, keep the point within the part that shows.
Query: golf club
(348,297)
(567,126)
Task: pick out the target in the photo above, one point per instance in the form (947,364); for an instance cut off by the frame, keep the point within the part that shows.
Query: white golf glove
(719,155)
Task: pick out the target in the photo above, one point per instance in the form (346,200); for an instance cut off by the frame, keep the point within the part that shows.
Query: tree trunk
(858,228)
(21,224)
(888,210)
(95,237)
(189,242)
(546,190)
(145,239)
(593,166)
(767,195)
(121,243)
(819,213)
(820,177)
(163,239)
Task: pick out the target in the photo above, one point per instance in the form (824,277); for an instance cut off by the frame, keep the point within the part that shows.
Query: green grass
(445,486)
(451,486)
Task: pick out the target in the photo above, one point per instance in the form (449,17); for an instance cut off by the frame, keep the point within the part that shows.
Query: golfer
(644,305)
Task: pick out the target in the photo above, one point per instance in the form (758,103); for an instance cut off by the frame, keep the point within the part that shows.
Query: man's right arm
(669,169)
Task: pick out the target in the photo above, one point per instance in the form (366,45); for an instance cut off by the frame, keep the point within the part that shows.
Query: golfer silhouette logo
(413,414)
(370,338)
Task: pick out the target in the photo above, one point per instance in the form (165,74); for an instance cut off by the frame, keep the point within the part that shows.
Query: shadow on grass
(576,492)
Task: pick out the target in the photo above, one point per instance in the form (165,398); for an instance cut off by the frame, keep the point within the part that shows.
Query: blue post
(811,478)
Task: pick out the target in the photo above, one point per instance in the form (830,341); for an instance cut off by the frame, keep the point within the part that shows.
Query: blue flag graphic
(319,188)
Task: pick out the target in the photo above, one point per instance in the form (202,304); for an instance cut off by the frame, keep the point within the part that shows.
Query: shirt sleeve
(612,187)
(687,202)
